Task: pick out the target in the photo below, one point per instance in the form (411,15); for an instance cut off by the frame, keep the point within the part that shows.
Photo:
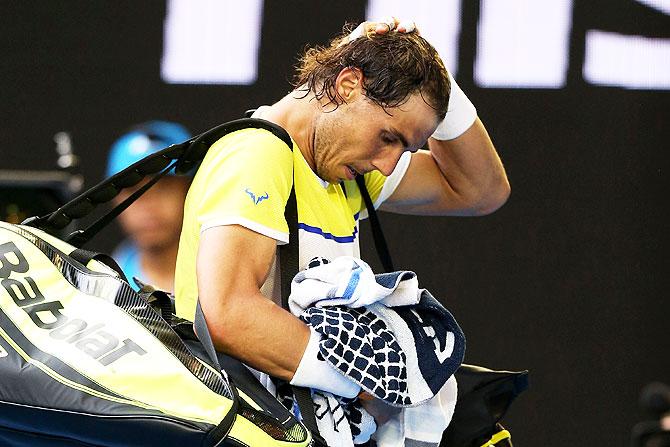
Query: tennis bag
(85,360)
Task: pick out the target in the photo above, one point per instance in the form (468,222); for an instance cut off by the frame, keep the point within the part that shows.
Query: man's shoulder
(248,150)
(240,169)
(252,141)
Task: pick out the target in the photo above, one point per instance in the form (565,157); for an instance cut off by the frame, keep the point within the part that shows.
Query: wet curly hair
(394,65)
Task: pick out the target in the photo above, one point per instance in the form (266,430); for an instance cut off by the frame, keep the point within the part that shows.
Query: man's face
(359,136)
(154,220)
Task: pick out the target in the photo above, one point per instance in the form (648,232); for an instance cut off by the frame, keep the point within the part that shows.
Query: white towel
(349,281)
(420,426)
(405,356)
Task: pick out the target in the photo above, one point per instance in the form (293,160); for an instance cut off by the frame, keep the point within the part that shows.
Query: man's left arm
(462,176)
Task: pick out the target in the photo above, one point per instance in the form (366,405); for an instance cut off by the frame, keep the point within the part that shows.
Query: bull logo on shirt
(255,199)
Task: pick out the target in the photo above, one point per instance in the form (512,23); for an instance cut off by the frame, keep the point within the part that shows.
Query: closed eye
(394,136)
(388,139)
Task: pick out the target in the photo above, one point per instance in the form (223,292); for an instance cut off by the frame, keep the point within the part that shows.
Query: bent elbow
(492,199)
(226,337)
(214,332)
(222,325)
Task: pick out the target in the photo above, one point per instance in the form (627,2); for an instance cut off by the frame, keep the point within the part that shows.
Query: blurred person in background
(152,224)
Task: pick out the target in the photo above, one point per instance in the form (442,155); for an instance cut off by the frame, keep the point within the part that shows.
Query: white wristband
(319,374)
(461,113)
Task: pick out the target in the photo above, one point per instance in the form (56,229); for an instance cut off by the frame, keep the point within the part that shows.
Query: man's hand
(381,27)
(377,408)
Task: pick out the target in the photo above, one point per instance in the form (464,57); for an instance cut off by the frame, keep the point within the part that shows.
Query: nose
(387,161)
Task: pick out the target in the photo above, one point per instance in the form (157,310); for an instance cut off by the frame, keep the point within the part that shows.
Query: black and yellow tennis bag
(87,361)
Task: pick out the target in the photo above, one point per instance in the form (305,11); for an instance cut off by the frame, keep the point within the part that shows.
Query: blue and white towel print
(349,281)
(402,354)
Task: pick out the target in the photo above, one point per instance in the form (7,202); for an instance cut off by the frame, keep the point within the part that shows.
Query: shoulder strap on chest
(377,234)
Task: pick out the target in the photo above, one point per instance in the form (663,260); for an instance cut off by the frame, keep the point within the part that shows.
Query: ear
(349,83)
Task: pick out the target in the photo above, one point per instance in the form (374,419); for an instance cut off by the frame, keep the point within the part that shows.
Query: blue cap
(143,140)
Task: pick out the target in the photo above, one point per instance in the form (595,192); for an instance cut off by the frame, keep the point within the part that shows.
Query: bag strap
(221,431)
(80,237)
(183,157)
(377,234)
(288,268)
(289,254)
(85,256)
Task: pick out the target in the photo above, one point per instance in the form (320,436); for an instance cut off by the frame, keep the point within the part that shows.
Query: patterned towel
(403,355)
